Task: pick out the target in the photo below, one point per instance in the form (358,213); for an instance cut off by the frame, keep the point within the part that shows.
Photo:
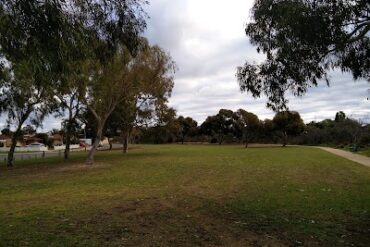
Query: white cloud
(206,38)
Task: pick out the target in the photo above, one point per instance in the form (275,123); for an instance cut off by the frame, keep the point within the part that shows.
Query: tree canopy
(289,123)
(303,40)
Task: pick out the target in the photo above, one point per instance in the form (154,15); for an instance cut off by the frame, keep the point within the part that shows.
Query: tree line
(80,60)
(243,127)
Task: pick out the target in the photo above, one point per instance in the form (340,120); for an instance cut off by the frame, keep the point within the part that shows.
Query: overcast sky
(206,39)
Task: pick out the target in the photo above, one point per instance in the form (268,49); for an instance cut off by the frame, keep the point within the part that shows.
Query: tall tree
(219,125)
(187,126)
(302,41)
(147,91)
(113,28)
(69,104)
(34,36)
(47,35)
(103,92)
(289,123)
(25,97)
(248,125)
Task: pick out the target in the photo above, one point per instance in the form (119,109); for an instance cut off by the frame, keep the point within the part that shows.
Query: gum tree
(302,41)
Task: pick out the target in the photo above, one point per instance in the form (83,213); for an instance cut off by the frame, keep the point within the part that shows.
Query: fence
(42,154)
(26,149)
(64,147)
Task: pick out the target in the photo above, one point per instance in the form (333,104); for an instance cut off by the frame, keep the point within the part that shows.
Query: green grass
(175,195)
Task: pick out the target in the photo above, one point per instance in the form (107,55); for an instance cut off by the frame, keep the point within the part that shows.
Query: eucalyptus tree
(288,123)
(248,125)
(187,126)
(147,90)
(70,108)
(103,91)
(219,125)
(302,41)
(165,128)
(33,38)
(68,92)
(24,98)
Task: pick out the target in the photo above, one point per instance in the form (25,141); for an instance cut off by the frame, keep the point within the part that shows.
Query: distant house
(104,141)
(56,140)
(5,141)
(29,139)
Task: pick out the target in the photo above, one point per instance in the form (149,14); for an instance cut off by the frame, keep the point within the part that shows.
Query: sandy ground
(363,160)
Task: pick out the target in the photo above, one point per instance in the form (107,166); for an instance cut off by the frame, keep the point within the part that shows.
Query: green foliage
(146,91)
(247,125)
(219,125)
(302,41)
(187,127)
(340,116)
(289,122)
(339,132)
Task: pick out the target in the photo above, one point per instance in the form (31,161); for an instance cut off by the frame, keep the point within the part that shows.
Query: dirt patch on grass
(43,171)
(165,222)
(81,167)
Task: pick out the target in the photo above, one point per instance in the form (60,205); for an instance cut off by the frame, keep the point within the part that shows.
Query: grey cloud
(207,58)
(206,81)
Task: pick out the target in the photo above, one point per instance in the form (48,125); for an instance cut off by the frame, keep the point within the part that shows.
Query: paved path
(363,160)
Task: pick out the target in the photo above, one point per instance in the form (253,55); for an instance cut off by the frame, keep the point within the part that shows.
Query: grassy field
(177,195)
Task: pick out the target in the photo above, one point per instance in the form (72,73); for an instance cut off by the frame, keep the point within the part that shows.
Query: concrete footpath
(363,160)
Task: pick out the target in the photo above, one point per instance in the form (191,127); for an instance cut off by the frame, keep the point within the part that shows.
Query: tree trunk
(110,144)
(11,151)
(68,144)
(246,139)
(94,147)
(285,139)
(15,137)
(125,143)
(246,143)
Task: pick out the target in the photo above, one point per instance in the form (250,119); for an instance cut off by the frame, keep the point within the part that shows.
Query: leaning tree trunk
(94,147)
(15,136)
(12,149)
